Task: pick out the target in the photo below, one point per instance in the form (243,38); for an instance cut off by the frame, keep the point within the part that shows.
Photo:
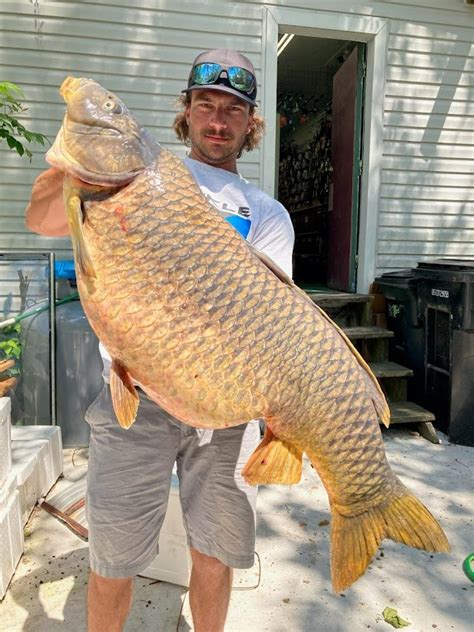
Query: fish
(216,334)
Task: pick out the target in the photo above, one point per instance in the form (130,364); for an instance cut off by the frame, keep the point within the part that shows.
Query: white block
(48,442)
(7,489)
(173,562)
(5,438)
(11,540)
(25,467)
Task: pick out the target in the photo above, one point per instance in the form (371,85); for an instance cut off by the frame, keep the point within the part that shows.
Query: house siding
(142,50)
(426,198)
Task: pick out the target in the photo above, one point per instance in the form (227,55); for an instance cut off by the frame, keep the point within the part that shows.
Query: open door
(347,100)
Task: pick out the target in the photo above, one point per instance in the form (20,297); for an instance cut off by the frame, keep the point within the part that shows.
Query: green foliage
(10,127)
(10,346)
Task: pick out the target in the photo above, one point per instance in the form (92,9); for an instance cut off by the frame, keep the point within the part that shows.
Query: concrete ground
(48,591)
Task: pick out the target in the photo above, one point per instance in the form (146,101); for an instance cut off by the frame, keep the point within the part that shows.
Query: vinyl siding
(142,50)
(427,192)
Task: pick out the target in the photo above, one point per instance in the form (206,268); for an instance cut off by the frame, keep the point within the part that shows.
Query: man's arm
(46,214)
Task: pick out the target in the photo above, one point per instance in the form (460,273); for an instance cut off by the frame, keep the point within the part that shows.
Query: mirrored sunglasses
(208,73)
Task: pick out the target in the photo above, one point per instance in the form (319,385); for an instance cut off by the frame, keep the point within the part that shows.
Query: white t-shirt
(259,218)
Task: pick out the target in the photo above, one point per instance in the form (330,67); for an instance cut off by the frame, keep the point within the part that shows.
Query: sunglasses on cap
(209,73)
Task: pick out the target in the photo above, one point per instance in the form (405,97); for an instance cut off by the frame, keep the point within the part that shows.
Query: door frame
(372,31)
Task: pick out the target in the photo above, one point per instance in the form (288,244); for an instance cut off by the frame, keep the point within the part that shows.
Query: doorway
(320,94)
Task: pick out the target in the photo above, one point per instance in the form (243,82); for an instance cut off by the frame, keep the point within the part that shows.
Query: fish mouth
(70,86)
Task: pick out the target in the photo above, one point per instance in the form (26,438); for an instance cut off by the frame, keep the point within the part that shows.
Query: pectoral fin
(46,213)
(274,461)
(125,398)
(74,215)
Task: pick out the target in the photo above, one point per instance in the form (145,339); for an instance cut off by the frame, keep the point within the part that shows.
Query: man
(130,470)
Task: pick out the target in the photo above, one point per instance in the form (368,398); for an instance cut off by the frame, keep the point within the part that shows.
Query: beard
(215,153)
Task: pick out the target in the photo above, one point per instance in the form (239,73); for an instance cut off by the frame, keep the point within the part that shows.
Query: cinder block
(173,562)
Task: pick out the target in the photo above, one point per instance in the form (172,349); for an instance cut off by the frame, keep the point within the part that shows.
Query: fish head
(100,141)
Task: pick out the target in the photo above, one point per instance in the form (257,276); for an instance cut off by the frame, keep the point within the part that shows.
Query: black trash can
(407,347)
(446,303)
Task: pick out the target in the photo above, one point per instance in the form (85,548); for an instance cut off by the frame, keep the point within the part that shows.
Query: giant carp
(217,334)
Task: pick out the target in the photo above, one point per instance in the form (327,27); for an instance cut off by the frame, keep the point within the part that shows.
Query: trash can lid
(448,264)
(397,274)
(400,278)
(454,270)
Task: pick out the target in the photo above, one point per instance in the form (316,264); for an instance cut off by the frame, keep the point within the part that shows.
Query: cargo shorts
(128,484)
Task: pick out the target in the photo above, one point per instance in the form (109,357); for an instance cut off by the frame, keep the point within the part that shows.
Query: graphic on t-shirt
(238,217)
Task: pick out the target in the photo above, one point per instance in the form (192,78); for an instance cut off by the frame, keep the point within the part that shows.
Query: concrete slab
(48,591)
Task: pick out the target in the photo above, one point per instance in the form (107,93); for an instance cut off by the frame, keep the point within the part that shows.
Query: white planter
(5,438)
(11,532)
(46,443)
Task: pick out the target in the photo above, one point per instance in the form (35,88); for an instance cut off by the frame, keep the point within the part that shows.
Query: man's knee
(117,590)
(210,565)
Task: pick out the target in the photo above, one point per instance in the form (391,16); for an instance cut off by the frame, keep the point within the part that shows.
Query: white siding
(142,51)
(427,193)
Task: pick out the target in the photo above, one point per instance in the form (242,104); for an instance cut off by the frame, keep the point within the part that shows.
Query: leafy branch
(10,127)
(10,346)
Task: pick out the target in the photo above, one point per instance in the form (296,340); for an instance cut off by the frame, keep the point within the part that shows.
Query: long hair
(252,139)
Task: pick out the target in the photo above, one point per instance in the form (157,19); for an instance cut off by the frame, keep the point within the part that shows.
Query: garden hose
(37,310)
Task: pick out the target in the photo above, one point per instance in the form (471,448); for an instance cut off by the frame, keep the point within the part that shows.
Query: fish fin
(274,461)
(74,215)
(125,398)
(380,403)
(355,539)
(45,213)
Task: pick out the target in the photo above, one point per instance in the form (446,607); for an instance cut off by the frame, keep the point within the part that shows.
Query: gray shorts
(129,480)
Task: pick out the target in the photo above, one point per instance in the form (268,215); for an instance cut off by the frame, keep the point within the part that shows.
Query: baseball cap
(226,70)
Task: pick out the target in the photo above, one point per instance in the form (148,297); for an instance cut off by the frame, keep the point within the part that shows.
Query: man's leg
(108,602)
(209,592)
(128,485)
(219,515)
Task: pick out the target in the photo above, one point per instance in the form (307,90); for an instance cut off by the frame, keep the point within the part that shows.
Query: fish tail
(355,539)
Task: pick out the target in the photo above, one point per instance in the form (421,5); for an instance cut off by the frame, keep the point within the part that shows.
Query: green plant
(10,345)
(10,127)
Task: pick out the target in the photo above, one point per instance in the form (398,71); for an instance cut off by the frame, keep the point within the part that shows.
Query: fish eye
(111,105)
